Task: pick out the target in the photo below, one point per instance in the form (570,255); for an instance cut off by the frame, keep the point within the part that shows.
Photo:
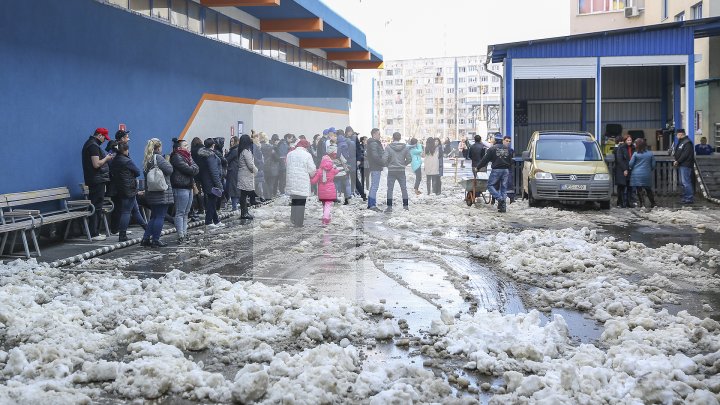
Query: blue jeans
(501,176)
(688,195)
(374,185)
(129,208)
(183,202)
(155,224)
(342,184)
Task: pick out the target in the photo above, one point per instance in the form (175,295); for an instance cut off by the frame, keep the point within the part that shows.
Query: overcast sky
(406,29)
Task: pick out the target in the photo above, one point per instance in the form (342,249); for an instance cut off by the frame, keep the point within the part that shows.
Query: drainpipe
(502,92)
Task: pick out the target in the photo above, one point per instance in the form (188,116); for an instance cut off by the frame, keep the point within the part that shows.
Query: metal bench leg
(67,229)
(87,229)
(35,242)
(12,243)
(107,227)
(2,244)
(25,244)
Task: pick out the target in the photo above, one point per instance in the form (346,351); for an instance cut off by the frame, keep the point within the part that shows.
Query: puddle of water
(581,328)
(655,236)
(429,280)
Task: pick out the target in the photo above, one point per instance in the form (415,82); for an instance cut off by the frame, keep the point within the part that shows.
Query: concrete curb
(107,249)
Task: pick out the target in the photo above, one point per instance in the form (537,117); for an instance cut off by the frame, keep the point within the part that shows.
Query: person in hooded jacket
(344,183)
(325,179)
(300,166)
(271,165)
(374,155)
(182,179)
(260,164)
(96,172)
(231,187)
(124,178)
(211,180)
(396,157)
(246,175)
(158,201)
(416,152)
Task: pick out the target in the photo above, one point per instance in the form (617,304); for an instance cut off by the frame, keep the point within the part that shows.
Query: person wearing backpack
(396,157)
(158,192)
(325,179)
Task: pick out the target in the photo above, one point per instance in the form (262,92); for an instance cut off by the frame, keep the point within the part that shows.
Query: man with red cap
(96,172)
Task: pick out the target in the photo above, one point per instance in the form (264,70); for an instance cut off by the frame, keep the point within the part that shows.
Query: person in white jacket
(300,166)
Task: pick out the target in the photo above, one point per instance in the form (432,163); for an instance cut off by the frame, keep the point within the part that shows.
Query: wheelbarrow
(474,189)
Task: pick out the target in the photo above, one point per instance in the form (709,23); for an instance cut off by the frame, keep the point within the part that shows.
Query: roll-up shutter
(555,68)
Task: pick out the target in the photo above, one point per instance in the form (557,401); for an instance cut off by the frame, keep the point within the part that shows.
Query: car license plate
(573,187)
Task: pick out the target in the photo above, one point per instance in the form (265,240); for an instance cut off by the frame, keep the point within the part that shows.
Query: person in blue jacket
(641,168)
(703,149)
(416,152)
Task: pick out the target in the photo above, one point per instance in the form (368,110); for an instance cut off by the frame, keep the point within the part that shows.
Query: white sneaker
(128,232)
(212,226)
(99,238)
(220,225)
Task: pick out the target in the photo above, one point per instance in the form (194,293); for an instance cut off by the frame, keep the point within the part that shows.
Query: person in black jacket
(685,161)
(121,136)
(272,165)
(124,178)
(182,178)
(376,164)
(96,172)
(476,153)
(211,181)
(623,154)
(502,162)
(198,196)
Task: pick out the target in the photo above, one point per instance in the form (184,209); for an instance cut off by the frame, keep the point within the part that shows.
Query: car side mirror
(526,156)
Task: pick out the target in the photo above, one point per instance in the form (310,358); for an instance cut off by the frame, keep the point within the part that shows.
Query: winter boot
(406,204)
(244,210)
(388,210)
(347,201)
(122,236)
(502,206)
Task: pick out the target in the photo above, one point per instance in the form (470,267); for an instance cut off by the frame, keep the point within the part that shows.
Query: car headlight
(543,176)
(602,176)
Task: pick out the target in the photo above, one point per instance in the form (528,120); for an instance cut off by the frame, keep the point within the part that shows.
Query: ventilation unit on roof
(632,11)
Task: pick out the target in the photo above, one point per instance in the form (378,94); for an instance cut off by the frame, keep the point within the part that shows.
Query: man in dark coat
(283,148)
(374,155)
(124,174)
(96,172)
(476,153)
(623,154)
(502,163)
(211,180)
(121,136)
(685,161)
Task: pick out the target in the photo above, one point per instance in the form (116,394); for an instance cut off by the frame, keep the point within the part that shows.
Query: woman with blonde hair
(157,197)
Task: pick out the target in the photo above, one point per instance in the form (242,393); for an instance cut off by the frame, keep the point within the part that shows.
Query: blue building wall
(67,67)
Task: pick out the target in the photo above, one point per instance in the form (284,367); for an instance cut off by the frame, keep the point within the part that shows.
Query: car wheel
(532,202)
(605,205)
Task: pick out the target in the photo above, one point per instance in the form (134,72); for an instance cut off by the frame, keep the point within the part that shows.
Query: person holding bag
(158,192)
(182,181)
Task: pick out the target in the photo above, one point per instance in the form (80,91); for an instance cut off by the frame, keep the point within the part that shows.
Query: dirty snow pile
(646,357)
(698,218)
(71,338)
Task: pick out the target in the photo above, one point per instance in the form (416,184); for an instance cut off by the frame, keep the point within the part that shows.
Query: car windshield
(569,150)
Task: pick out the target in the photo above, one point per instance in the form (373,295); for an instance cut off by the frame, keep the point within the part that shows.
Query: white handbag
(155,180)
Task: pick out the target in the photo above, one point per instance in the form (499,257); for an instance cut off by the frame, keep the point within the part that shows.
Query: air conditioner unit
(632,11)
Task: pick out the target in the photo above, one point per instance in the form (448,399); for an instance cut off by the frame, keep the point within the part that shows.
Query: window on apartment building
(428,111)
(178,14)
(389,122)
(495,89)
(451,81)
(461,80)
(428,100)
(388,82)
(472,68)
(483,78)
(461,69)
(472,90)
(462,120)
(389,92)
(600,6)
(680,17)
(193,15)
(428,91)
(389,72)
(451,90)
(697,11)
(472,79)
(495,79)
(398,82)
(210,27)
(141,6)
(160,9)
(223,28)
(419,92)
(429,121)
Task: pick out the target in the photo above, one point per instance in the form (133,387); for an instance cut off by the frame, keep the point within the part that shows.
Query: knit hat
(303,143)
(332,148)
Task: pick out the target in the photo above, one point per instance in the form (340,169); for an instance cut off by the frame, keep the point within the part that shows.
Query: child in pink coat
(324,177)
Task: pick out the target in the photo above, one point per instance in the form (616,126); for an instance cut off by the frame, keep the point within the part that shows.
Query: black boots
(244,210)
(502,206)
(406,204)
(123,236)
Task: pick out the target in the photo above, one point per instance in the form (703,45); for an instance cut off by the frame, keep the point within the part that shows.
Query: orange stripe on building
(252,101)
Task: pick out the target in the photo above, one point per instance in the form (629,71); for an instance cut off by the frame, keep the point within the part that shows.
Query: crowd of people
(199,177)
